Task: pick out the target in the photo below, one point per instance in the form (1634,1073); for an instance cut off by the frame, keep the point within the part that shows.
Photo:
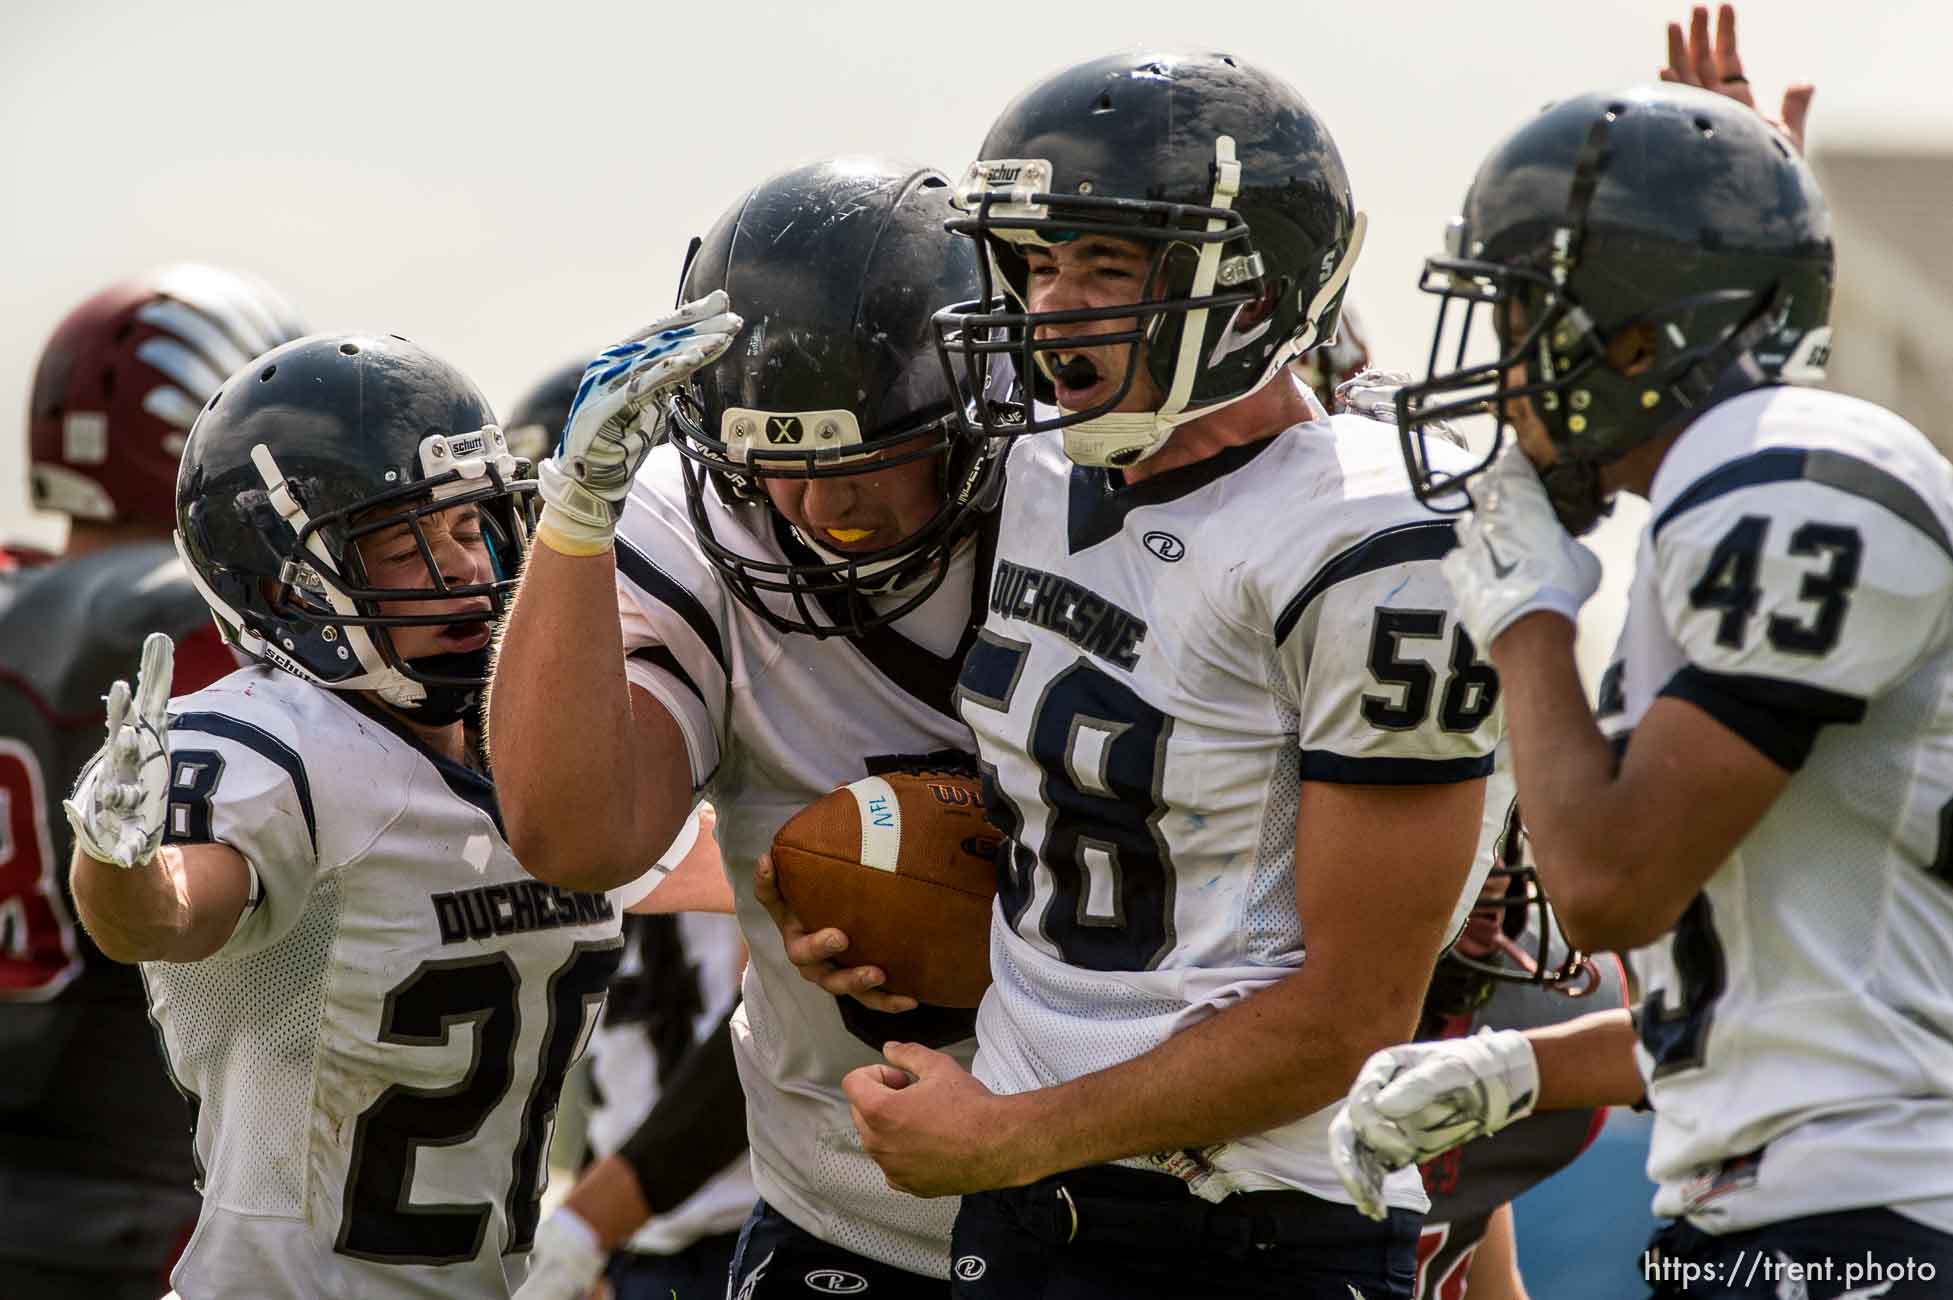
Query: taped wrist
(697,1128)
(575,520)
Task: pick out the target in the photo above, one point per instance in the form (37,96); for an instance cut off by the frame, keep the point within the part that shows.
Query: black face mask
(445,705)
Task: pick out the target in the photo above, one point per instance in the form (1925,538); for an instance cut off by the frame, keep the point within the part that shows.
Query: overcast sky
(512,184)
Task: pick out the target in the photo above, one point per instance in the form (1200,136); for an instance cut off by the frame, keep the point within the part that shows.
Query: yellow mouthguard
(849,534)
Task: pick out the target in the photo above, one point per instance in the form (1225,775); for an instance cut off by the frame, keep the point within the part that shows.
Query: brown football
(904,865)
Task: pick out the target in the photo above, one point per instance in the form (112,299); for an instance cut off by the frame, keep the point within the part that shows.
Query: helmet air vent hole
(264,376)
(1615,110)
(350,349)
(1104,103)
(1707,128)
(1229,60)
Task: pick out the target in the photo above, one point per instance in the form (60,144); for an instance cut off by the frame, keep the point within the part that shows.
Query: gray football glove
(120,818)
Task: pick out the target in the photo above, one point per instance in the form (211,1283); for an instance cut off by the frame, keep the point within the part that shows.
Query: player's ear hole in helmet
(304,460)
(1641,256)
(1229,181)
(838,268)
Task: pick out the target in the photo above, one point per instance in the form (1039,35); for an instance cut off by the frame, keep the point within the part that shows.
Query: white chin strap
(1123,438)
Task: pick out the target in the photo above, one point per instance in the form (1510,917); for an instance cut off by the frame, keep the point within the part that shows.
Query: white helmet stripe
(256,318)
(190,372)
(192,326)
(172,406)
(1193,332)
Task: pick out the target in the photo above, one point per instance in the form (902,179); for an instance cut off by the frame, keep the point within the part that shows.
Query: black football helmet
(1511,936)
(1223,171)
(535,426)
(837,268)
(313,446)
(1669,229)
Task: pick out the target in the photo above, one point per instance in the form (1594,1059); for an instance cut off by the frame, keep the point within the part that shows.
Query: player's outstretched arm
(142,900)
(592,774)
(1416,1101)
(1377,877)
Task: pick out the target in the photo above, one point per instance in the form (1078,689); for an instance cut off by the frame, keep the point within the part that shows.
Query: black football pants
(778,1258)
(1112,1233)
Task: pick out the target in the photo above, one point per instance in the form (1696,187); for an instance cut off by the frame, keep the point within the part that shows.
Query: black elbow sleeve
(697,1128)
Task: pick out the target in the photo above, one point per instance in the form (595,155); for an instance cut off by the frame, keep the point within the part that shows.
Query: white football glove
(1514,556)
(1419,1100)
(120,820)
(615,421)
(566,1260)
(1373,393)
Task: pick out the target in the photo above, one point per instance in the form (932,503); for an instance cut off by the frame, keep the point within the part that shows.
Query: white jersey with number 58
(1795,582)
(1163,665)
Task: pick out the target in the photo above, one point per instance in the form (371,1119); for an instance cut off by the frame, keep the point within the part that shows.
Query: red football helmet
(123,378)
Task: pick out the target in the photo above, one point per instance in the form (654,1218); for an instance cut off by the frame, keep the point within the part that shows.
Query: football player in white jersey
(1775,842)
(369,1004)
(770,605)
(1224,708)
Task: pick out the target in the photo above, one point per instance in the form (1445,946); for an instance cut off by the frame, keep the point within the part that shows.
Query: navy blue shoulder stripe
(661,657)
(1425,539)
(637,566)
(1389,769)
(263,743)
(1833,469)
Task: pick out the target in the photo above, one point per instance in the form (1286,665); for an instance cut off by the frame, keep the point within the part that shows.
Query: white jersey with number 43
(1163,665)
(375,1056)
(1795,582)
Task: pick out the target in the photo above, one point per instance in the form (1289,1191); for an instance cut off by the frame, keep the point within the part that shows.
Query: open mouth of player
(461,638)
(1078,382)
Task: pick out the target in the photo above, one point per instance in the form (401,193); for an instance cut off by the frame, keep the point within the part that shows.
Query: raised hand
(1695,60)
(1513,555)
(615,422)
(119,820)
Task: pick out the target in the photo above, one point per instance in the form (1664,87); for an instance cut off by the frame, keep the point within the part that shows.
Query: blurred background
(513,185)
